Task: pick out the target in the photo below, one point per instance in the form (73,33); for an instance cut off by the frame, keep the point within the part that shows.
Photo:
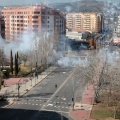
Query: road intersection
(47,100)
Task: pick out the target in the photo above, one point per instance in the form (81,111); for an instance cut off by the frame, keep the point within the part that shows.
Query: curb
(29,89)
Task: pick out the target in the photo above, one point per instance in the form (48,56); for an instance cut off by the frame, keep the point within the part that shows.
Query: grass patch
(101,113)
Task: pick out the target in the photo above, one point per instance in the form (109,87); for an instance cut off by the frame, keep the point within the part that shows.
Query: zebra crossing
(43,103)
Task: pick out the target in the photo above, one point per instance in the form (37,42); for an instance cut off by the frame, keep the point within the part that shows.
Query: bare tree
(23,56)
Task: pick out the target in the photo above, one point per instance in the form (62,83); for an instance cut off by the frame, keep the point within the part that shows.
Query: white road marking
(60,87)
(36,104)
(50,104)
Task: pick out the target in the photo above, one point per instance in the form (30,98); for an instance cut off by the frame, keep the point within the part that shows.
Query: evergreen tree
(18,60)
(11,62)
(16,65)
(17,55)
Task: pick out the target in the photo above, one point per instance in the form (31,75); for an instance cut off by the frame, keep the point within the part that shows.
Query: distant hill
(80,6)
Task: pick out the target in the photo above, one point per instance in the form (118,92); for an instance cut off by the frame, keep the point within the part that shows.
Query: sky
(21,2)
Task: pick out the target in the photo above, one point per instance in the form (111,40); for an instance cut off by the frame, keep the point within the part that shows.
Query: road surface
(46,101)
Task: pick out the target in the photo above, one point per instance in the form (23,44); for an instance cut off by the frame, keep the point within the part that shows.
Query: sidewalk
(11,92)
(82,109)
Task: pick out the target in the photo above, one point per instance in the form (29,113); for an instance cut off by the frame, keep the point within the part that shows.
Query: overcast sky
(21,2)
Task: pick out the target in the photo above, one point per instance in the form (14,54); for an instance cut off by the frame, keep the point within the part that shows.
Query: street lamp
(31,81)
(19,87)
(73,95)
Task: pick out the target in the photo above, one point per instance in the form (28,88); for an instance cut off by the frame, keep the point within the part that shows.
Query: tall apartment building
(84,21)
(118,26)
(37,18)
(2,26)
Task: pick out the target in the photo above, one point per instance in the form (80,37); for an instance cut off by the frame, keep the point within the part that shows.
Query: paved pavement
(82,109)
(26,84)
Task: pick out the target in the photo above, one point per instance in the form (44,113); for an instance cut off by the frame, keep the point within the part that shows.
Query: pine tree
(11,62)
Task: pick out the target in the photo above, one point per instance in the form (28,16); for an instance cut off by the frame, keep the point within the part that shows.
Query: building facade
(2,26)
(84,21)
(34,18)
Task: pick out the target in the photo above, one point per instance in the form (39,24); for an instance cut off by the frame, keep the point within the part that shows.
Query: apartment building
(84,21)
(33,18)
(118,26)
(2,26)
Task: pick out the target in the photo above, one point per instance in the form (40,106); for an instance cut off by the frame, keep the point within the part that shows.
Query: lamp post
(19,87)
(36,74)
(73,98)
(31,81)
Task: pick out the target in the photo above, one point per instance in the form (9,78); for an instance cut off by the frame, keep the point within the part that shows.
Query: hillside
(80,6)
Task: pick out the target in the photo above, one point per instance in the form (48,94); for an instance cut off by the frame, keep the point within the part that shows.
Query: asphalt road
(47,102)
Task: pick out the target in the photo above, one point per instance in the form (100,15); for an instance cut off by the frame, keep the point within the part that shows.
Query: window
(36,12)
(34,16)
(35,26)
(35,21)
(43,12)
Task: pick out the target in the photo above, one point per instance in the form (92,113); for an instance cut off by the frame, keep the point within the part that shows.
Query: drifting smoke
(22,45)
(72,62)
(68,8)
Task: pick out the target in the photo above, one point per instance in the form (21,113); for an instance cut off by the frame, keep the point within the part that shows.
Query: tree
(23,56)
(17,55)
(16,65)
(11,62)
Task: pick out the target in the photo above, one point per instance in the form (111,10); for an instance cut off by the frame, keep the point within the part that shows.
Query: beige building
(34,18)
(84,21)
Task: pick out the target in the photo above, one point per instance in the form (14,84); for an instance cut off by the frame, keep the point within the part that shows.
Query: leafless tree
(23,56)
